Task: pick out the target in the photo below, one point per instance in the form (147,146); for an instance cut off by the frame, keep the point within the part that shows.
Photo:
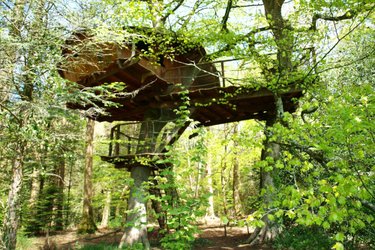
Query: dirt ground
(211,237)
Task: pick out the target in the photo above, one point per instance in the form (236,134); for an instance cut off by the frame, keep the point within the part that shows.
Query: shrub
(303,238)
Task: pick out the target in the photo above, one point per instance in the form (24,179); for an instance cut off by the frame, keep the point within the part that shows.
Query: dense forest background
(319,187)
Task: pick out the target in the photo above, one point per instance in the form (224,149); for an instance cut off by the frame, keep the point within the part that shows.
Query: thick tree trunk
(284,44)
(269,231)
(136,230)
(11,216)
(106,210)
(87,224)
(11,219)
(136,221)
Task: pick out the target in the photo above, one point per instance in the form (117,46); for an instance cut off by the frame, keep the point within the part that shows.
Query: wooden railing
(225,72)
(132,138)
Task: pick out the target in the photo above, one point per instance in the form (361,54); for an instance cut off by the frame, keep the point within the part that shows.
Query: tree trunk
(136,221)
(68,196)
(11,218)
(223,178)
(59,199)
(211,207)
(35,188)
(284,44)
(106,210)
(157,206)
(33,201)
(269,231)
(87,224)
(236,176)
(136,230)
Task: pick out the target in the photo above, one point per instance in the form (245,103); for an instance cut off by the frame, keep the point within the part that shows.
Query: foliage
(181,213)
(325,172)
(303,238)
(23,241)
(323,179)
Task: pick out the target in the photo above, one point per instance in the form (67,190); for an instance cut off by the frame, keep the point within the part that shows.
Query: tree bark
(87,224)
(11,218)
(136,222)
(106,210)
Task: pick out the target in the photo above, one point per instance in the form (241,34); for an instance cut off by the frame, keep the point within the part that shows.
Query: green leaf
(271,217)
(340,237)
(224,220)
(338,246)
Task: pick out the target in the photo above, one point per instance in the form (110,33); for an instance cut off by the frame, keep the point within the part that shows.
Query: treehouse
(160,77)
(160,83)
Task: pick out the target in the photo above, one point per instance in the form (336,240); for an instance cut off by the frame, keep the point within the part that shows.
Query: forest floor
(211,237)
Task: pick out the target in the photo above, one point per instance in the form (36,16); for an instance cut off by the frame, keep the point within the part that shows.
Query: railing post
(117,145)
(129,144)
(222,72)
(110,141)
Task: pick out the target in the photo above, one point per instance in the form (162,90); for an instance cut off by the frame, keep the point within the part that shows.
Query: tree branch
(10,112)
(224,22)
(191,13)
(248,5)
(179,3)
(348,15)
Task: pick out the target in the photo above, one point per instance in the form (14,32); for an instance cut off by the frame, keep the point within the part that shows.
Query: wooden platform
(209,106)
(210,103)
